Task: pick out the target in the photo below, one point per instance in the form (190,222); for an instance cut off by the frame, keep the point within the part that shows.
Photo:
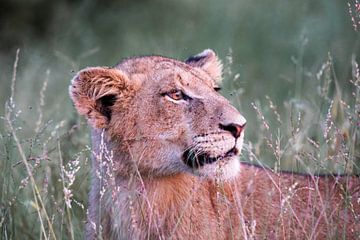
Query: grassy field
(291,68)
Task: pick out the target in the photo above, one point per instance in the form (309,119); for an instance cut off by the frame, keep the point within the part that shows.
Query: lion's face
(164,115)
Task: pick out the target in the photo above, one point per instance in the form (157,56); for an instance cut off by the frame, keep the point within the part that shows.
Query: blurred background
(272,44)
(290,65)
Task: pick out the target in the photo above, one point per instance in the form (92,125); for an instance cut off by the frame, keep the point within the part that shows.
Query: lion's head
(162,116)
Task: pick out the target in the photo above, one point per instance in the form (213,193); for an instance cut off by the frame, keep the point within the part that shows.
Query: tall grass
(45,167)
(317,132)
(42,196)
(302,103)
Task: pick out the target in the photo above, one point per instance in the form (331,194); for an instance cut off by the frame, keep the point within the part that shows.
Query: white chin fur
(223,170)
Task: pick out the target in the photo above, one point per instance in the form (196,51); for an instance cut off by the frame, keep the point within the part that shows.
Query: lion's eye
(176,95)
(217,89)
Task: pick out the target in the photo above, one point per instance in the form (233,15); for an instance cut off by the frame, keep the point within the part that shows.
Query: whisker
(207,134)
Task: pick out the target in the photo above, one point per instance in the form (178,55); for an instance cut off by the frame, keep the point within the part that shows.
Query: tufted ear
(94,92)
(207,61)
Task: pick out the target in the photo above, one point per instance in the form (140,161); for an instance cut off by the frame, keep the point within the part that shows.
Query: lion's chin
(197,160)
(223,170)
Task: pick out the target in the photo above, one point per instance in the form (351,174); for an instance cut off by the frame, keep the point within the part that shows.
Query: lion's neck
(170,202)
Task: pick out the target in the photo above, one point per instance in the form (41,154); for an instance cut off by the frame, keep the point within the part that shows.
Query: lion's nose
(234,128)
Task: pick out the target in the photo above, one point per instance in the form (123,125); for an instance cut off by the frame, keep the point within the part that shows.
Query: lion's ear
(209,62)
(94,92)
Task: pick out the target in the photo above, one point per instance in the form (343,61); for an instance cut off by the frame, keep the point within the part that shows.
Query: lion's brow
(182,65)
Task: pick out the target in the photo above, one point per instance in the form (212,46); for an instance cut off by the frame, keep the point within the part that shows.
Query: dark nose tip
(234,128)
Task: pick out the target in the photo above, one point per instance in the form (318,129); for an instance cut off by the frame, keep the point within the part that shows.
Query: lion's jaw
(223,163)
(163,116)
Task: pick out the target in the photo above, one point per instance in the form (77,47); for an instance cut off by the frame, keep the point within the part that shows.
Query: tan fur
(143,189)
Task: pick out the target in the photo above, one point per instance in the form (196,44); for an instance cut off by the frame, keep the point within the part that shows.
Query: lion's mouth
(196,160)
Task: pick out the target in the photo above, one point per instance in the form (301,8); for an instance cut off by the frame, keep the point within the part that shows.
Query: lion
(166,165)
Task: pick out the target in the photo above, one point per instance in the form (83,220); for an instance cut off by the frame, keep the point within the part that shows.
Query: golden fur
(165,162)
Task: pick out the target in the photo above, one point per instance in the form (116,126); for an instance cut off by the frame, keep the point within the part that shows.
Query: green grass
(38,197)
(45,163)
(317,134)
(290,68)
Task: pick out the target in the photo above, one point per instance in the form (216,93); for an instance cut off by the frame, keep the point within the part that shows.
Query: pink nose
(233,128)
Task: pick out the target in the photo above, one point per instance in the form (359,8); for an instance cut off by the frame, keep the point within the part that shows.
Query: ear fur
(94,91)
(209,62)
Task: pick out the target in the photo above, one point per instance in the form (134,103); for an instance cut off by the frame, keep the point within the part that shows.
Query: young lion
(165,162)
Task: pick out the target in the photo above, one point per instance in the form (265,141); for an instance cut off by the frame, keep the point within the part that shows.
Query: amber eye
(176,95)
